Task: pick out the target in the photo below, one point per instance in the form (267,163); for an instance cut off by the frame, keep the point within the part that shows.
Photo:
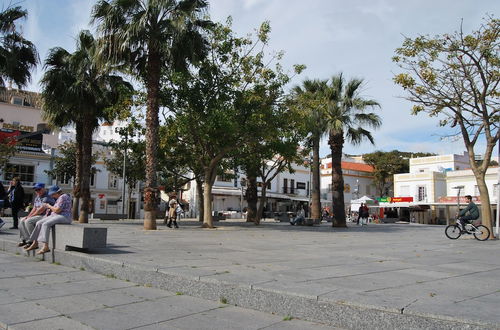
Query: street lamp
(310,185)
(458,200)
(242,184)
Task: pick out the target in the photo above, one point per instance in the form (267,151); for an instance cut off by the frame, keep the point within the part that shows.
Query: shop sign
(395,199)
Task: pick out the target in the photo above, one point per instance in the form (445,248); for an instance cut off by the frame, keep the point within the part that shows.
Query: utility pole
(124,171)
(498,193)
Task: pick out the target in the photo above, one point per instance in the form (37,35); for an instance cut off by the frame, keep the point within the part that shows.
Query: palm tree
(17,55)
(149,37)
(347,119)
(77,91)
(310,97)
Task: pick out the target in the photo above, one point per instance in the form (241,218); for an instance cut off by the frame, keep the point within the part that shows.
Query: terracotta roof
(357,167)
(351,166)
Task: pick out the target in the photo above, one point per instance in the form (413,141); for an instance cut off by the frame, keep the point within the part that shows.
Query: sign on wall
(395,199)
(31,143)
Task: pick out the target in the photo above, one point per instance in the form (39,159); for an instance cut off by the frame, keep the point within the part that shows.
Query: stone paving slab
(351,277)
(109,303)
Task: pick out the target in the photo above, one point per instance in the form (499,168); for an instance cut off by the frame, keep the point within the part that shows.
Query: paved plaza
(376,276)
(45,296)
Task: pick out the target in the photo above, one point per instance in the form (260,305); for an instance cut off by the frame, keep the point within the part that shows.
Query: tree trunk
(78,175)
(152,123)
(129,198)
(486,218)
(336,142)
(251,197)
(315,192)
(210,174)
(199,199)
(86,165)
(262,203)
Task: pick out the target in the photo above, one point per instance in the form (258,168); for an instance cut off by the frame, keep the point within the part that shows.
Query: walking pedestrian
(16,199)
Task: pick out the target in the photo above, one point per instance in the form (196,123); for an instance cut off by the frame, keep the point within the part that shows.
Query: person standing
(39,211)
(172,212)
(360,214)
(16,199)
(366,214)
(60,212)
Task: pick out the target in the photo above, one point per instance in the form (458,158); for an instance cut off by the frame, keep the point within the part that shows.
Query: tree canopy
(455,77)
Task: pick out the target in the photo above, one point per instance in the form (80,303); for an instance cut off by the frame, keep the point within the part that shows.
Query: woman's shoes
(31,247)
(42,251)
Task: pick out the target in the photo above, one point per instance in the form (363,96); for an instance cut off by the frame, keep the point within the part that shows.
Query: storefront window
(25,172)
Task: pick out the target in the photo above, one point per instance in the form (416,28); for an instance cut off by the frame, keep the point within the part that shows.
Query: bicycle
(480,232)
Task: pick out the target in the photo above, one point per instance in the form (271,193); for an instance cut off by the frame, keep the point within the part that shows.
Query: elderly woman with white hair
(60,212)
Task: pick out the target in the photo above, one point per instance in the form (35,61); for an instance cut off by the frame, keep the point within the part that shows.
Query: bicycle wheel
(482,233)
(453,232)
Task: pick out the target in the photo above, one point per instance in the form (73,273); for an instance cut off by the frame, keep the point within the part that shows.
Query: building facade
(433,184)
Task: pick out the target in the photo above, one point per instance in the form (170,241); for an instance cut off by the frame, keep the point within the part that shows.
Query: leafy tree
(17,55)
(274,150)
(311,99)
(455,77)
(66,160)
(181,160)
(273,145)
(146,38)
(386,164)
(346,119)
(76,90)
(216,104)
(7,149)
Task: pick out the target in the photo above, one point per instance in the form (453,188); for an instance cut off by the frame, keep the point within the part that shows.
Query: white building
(284,194)
(358,180)
(432,182)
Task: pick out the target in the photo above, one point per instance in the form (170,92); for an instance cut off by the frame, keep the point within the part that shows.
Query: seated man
(27,224)
(300,218)
(471,212)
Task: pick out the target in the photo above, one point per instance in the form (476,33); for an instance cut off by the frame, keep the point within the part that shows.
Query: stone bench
(78,236)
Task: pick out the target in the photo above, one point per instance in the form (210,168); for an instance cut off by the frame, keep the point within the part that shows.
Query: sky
(356,37)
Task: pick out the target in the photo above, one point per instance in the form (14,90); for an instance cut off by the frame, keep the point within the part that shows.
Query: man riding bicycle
(471,212)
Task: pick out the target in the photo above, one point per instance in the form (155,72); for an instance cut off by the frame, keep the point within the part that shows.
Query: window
(17,100)
(92,179)
(301,185)
(113,181)
(285,186)
(368,190)
(226,177)
(421,194)
(64,179)
(292,186)
(25,172)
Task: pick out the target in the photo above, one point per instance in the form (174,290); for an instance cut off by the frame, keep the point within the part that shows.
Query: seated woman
(60,212)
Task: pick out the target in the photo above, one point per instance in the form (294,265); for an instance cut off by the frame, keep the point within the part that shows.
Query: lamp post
(458,200)
(498,194)
(124,171)
(310,185)
(242,184)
